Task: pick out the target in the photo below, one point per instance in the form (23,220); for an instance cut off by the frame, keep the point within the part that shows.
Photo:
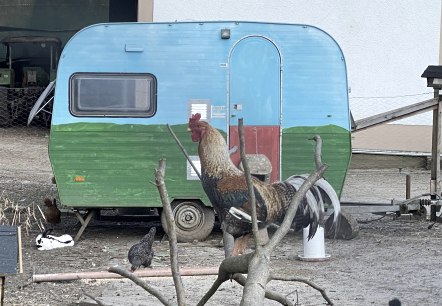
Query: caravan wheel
(193,220)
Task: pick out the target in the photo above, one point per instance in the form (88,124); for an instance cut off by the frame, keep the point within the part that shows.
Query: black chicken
(141,254)
(226,187)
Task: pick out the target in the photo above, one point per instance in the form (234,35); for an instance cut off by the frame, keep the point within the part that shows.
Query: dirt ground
(391,257)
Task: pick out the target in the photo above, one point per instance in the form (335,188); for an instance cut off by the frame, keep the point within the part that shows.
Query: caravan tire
(193,220)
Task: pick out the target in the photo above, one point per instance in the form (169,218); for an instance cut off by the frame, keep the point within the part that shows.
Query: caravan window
(121,95)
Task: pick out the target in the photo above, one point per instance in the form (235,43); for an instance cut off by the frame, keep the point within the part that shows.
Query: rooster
(226,188)
(141,253)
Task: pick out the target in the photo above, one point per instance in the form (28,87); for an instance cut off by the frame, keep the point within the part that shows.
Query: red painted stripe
(259,140)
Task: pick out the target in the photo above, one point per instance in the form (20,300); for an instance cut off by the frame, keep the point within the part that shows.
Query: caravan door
(255,96)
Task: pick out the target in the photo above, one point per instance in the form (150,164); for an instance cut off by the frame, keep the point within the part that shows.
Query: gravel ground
(391,257)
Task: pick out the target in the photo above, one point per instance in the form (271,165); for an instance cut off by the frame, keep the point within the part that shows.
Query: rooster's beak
(189,130)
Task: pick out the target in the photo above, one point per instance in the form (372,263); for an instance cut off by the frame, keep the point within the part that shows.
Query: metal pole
(436,148)
(10,56)
(440,38)
(51,59)
(407,186)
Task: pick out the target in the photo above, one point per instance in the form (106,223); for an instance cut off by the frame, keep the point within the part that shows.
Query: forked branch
(167,209)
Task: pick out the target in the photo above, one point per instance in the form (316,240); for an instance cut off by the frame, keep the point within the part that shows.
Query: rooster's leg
(228,242)
(240,245)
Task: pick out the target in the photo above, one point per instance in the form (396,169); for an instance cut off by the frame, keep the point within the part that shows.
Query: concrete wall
(387,44)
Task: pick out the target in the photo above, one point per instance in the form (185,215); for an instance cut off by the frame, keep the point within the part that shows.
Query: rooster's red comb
(195,118)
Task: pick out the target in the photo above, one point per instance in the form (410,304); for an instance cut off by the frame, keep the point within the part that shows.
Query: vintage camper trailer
(119,85)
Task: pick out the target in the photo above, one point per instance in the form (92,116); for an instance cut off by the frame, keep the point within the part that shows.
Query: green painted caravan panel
(110,165)
(298,152)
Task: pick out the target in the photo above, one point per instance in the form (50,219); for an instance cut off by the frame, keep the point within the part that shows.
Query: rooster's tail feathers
(330,197)
(320,194)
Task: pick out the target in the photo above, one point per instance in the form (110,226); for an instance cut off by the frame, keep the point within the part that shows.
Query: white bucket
(314,249)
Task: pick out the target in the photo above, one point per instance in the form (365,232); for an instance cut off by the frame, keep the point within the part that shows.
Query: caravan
(119,85)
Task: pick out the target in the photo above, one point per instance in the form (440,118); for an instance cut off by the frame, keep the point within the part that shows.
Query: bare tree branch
(184,151)
(228,267)
(99,303)
(245,165)
(259,266)
(159,179)
(140,283)
(271,295)
(218,282)
(303,280)
(318,151)
(236,264)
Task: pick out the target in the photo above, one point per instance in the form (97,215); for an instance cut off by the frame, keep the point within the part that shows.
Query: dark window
(121,11)
(119,95)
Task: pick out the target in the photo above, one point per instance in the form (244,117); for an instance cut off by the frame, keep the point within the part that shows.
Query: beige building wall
(394,137)
(145,10)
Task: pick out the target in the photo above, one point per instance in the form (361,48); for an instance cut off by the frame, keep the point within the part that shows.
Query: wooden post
(20,250)
(436,147)
(2,291)
(164,272)
(84,222)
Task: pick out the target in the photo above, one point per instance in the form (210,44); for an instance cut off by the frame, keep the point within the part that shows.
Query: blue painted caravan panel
(255,87)
(317,80)
(192,60)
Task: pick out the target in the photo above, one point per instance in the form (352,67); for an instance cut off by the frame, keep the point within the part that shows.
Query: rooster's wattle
(226,188)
